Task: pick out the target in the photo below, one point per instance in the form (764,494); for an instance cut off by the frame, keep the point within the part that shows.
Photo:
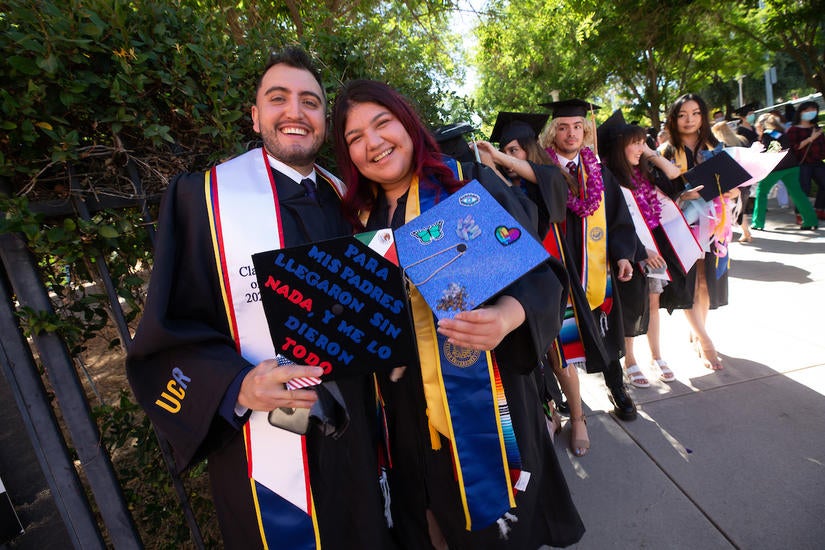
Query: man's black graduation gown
(550,196)
(184,326)
(422,478)
(621,244)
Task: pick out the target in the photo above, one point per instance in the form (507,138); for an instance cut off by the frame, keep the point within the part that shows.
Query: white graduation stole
(238,191)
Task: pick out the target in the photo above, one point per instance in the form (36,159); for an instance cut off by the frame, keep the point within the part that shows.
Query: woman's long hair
(427,159)
(726,135)
(615,158)
(706,137)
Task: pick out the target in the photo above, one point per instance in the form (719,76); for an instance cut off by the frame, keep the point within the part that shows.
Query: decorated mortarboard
(745,109)
(570,107)
(510,126)
(464,250)
(340,304)
(718,174)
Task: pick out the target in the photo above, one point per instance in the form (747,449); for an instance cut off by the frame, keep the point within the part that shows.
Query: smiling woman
(394,171)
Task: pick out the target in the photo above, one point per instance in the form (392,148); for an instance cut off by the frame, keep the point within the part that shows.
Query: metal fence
(22,287)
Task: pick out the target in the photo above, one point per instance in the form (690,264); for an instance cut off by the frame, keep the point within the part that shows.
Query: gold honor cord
(461,248)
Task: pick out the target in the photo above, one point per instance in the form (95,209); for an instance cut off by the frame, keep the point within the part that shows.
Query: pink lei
(584,206)
(645,194)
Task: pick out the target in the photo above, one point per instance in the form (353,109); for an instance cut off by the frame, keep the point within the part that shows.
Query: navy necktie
(573,168)
(311,189)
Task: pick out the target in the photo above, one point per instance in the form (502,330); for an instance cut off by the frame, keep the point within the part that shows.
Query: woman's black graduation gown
(421,478)
(184,326)
(678,294)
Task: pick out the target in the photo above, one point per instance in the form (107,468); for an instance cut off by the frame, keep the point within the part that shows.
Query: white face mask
(808,115)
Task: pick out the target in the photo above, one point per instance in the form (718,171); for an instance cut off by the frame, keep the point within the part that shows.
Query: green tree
(794,27)
(638,55)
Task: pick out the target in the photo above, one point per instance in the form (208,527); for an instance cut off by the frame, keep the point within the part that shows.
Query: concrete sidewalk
(727,459)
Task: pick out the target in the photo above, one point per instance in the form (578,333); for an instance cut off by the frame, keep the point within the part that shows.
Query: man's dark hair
(292,56)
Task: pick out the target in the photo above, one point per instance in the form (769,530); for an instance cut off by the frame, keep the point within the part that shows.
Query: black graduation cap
(570,107)
(745,109)
(452,131)
(510,126)
(730,174)
(340,304)
(609,131)
(451,140)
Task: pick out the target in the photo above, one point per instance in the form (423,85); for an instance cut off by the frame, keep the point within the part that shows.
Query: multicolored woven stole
(236,192)
(475,427)
(569,341)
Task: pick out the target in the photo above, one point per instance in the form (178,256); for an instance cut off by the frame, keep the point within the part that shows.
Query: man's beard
(294,155)
(567,153)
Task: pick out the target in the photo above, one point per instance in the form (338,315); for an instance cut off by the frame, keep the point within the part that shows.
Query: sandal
(666,375)
(579,446)
(710,359)
(636,377)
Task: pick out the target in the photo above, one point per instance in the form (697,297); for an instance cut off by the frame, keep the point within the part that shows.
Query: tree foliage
(638,55)
(171,81)
(92,84)
(793,27)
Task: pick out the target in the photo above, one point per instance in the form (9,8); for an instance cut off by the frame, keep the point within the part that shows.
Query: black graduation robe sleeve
(549,193)
(182,354)
(540,292)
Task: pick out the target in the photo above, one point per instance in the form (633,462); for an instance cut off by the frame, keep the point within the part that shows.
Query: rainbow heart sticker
(507,236)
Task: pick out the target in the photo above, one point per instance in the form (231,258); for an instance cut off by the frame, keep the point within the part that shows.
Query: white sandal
(666,374)
(636,377)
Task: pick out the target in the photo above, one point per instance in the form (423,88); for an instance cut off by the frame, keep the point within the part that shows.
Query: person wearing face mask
(808,144)
(747,118)
(718,116)
(769,128)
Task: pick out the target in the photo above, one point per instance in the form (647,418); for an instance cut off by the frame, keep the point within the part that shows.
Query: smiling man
(599,233)
(203,365)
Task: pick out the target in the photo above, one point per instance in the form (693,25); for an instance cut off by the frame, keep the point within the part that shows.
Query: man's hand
(483,328)
(625,271)
(263,388)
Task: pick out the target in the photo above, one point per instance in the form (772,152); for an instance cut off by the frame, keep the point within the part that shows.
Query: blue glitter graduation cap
(464,250)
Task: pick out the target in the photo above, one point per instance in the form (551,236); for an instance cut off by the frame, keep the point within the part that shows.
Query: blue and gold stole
(237,192)
(466,404)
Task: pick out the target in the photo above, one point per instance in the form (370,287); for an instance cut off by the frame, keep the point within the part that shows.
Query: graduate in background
(642,171)
(204,368)
(808,144)
(440,496)
(530,169)
(598,230)
(706,285)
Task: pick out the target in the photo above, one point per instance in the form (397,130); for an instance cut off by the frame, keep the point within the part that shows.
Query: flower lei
(645,194)
(585,206)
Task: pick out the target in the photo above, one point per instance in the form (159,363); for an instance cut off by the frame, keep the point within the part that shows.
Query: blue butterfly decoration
(429,234)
